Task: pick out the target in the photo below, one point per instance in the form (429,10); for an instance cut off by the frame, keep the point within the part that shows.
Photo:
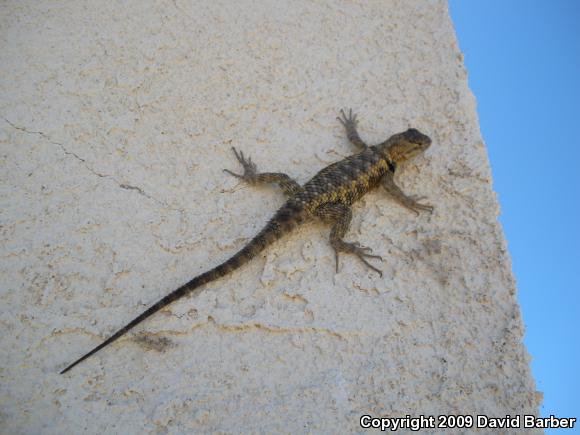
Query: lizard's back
(345,181)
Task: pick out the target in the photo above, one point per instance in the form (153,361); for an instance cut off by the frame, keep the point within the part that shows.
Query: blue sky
(523,61)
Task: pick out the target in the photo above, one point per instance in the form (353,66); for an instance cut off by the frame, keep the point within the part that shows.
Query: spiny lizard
(327,196)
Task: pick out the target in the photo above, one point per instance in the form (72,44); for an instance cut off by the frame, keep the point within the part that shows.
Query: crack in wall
(124,186)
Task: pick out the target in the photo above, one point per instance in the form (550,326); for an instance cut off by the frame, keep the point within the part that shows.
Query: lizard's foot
(362,252)
(250,170)
(348,121)
(417,207)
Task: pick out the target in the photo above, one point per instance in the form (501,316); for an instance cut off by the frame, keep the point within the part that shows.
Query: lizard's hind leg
(251,175)
(340,215)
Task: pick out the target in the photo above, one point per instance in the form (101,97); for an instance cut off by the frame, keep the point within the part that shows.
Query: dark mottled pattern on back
(327,196)
(345,181)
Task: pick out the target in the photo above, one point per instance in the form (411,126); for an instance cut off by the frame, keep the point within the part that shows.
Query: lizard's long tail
(289,216)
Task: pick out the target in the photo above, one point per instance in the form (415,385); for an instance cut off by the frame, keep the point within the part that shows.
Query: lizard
(328,197)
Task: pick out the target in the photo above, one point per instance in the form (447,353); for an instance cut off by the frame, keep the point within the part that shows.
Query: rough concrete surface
(116,119)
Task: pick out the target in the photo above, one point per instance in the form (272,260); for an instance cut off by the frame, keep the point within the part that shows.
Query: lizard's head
(404,146)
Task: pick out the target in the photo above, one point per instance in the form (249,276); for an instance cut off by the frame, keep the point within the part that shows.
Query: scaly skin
(327,196)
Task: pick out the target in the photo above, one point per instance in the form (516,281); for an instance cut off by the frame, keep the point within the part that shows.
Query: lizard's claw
(362,252)
(250,169)
(425,207)
(417,207)
(348,121)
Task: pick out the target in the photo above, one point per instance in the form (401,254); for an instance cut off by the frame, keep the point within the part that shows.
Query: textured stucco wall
(116,119)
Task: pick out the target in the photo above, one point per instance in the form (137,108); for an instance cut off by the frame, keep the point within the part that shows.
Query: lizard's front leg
(250,175)
(340,215)
(350,122)
(409,202)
